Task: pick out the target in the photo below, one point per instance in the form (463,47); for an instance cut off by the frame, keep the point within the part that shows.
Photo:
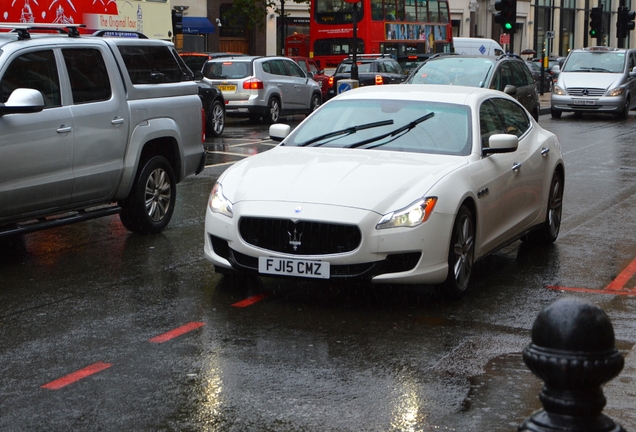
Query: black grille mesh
(301,238)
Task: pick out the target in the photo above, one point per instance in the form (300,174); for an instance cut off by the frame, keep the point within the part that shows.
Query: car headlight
(218,203)
(616,91)
(557,90)
(411,216)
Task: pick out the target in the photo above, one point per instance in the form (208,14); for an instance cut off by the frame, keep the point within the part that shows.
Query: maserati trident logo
(294,239)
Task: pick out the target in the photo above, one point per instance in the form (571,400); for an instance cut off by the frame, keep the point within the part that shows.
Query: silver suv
(263,87)
(596,80)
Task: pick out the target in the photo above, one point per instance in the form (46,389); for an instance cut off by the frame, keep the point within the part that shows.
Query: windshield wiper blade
(347,131)
(407,127)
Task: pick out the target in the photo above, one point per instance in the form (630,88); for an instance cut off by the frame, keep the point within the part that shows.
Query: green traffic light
(508,26)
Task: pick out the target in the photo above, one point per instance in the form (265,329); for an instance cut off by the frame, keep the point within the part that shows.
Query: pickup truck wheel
(273,111)
(216,120)
(149,206)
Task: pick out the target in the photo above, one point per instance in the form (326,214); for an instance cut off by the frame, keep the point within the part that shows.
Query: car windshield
(346,67)
(227,69)
(423,127)
(595,61)
(454,70)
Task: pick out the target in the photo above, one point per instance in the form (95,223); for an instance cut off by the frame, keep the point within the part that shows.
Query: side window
(303,64)
(515,117)
(390,67)
(503,77)
(632,61)
(88,75)
(266,67)
(313,68)
(293,69)
(150,64)
(277,67)
(490,123)
(35,70)
(518,76)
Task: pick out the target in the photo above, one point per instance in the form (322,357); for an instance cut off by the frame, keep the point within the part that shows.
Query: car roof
(461,95)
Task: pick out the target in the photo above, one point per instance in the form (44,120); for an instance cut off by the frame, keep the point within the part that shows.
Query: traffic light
(507,15)
(596,22)
(625,22)
(177,21)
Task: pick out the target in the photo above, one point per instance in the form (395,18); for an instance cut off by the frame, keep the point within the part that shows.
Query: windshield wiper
(347,131)
(591,69)
(403,129)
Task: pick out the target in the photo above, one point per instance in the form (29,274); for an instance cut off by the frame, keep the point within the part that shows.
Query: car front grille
(300,238)
(586,91)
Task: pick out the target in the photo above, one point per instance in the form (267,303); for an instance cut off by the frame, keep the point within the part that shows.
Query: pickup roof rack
(72,30)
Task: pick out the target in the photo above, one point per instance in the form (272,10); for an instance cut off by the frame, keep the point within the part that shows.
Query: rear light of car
(379,80)
(253,84)
(330,81)
(202,125)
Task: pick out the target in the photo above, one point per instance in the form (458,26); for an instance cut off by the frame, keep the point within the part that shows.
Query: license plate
(227,87)
(584,102)
(288,267)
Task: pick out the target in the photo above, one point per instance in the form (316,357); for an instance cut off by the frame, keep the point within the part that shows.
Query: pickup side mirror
(198,75)
(501,143)
(22,101)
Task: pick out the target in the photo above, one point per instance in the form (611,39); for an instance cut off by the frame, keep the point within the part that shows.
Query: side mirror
(555,69)
(198,75)
(510,90)
(22,101)
(279,131)
(310,75)
(501,143)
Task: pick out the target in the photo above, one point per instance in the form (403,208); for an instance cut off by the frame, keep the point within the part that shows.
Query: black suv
(507,73)
(373,69)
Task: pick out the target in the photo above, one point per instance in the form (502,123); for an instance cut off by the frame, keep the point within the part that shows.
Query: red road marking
(251,300)
(177,332)
(76,376)
(615,287)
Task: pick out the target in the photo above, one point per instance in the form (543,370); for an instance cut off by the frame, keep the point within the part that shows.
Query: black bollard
(573,352)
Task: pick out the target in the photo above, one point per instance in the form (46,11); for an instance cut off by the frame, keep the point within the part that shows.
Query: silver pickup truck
(93,126)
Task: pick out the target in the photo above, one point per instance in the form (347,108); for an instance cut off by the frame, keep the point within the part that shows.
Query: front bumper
(605,104)
(399,255)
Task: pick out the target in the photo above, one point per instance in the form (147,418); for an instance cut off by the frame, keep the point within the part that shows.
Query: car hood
(590,79)
(374,180)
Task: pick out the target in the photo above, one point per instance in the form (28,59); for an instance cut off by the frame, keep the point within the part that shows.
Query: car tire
(550,229)
(625,111)
(273,111)
(315,103)
(556,114)
(461,254)
(150,204)
(216,120)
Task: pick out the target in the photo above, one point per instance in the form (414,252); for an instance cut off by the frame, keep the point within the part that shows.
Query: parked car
(373,69)
(596,80)
(213,105)
(535,70)
(506,73)
(196,60)
(93,126)
(390,184)
(263,87)
(309,65)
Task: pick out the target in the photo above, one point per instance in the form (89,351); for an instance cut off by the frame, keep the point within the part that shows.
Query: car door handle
(64,129)
(545,151)
(516,166)
(117,121)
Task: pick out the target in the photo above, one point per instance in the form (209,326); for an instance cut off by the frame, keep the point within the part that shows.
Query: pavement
(544,101)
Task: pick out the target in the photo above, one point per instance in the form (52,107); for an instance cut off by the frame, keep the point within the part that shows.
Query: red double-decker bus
(396,27)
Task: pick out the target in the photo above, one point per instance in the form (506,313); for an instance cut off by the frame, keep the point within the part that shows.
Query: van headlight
(410,216)
(557,90)
(218,203)
(616,91)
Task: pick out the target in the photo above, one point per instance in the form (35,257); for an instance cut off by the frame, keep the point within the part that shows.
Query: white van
(477,46)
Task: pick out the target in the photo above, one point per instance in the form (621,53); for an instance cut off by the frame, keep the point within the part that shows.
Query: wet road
(104,330)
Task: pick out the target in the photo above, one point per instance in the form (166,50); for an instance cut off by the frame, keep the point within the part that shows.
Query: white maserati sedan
(390,184)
